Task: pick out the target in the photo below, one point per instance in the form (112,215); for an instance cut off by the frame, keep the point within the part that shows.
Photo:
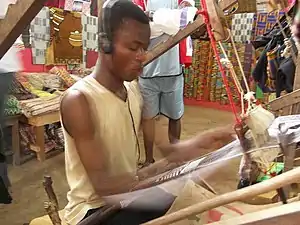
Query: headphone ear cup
(105,44)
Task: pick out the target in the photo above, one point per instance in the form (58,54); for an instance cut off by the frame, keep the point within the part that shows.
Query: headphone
(105,34)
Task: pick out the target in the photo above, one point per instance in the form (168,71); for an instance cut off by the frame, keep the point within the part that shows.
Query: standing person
(100,117)
(161,85)
(186,45)
(162,80)
(9,65)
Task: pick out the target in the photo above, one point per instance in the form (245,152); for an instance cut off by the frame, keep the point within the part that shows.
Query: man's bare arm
(77,120)
(184,151)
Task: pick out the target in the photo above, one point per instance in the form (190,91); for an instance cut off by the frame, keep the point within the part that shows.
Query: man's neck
(108,80)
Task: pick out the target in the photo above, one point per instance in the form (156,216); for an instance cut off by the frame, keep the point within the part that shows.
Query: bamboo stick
(277,182)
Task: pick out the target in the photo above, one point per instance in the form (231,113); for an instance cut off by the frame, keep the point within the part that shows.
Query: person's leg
(150,95)
(153,204)
(172,105)
(5,80)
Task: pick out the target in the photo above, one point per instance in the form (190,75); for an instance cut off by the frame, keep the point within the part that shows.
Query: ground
(29,195)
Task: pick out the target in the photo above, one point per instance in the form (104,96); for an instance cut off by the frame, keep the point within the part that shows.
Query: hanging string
(229,65)
(204,13)
(239,61)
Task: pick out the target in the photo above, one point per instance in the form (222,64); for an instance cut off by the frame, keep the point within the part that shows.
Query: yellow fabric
(114,128)
(45,220)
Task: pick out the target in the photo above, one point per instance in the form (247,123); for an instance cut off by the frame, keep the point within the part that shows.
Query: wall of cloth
(203,80)
(58,36)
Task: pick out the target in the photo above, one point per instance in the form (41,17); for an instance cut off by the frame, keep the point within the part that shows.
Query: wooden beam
(285,100)
(288,214)
(279,181)
(217,20)
(19,15)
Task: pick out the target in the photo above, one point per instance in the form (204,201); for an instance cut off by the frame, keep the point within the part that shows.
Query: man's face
(130,42)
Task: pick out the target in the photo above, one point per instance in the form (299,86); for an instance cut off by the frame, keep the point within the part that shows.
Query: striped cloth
(40,36)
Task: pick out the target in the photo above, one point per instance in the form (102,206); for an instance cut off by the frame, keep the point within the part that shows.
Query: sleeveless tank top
(114,127)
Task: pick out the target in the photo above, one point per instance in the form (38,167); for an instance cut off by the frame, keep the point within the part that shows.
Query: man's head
(126,28)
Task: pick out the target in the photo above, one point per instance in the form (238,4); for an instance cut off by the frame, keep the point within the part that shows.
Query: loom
(212,19)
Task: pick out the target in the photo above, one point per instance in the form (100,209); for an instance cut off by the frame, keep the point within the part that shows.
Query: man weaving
(101,116)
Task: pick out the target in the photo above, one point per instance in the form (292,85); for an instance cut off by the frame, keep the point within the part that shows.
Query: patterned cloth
(241,27)
(66,44)
(40,33)
(89,35)
(203,80)
(12,106)
(263,22)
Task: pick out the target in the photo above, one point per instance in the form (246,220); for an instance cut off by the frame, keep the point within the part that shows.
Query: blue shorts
(162,95)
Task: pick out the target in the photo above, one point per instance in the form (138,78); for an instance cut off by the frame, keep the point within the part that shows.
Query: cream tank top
(114,127)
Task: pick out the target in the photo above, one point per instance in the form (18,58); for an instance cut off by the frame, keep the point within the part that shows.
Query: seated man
(101,115)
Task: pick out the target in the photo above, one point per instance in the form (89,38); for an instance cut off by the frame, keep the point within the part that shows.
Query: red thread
(204,13)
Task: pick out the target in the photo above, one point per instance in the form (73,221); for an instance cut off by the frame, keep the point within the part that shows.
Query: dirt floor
(28,192)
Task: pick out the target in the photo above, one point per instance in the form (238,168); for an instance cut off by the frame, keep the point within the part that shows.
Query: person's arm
(77,121)
(184,151)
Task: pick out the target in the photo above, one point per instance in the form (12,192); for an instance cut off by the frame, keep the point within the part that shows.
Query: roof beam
(19,15)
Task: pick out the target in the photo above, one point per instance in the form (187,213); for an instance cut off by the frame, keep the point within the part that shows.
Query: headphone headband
(105,34)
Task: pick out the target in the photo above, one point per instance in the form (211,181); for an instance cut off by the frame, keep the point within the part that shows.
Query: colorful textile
(242,26)
(40,36)
(203,70)
(64,75)
(12,106)
(263,22)
(203,80)
(19,91)
(66,38)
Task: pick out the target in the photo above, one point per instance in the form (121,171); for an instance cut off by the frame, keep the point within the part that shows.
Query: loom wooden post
(238,195)
(19,15)
(52,212)
(51,206)
(49,190)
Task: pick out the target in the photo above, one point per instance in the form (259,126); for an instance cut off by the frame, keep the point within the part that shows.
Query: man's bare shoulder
(73,98)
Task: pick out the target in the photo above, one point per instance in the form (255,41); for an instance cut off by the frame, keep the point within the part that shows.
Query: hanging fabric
(66,37)
(89,36)
(40,36)
(242,26)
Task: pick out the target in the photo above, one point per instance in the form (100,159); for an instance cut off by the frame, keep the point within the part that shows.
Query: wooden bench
(38,122)
(13,122)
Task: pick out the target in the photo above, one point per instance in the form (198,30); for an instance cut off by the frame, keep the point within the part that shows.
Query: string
(234,76)
(204,13)
(239,61)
